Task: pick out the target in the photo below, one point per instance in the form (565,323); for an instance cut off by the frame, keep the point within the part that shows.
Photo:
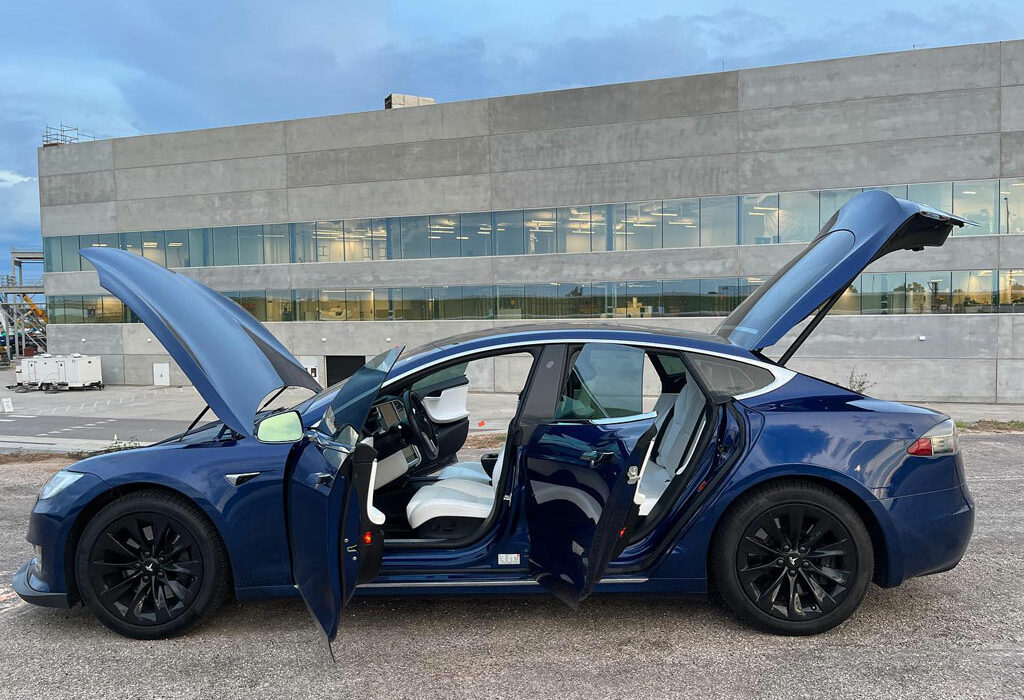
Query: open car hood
(864,229)
(231,358)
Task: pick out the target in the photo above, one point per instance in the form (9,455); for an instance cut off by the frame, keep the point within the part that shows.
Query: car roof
(580,332)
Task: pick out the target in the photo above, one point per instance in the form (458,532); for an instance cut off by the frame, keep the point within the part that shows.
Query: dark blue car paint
(233,361)
(805,428)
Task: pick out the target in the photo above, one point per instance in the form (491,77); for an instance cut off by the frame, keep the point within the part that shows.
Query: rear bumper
(33,589)
(932,530)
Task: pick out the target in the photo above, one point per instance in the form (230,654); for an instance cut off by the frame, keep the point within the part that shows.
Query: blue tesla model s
(784,494)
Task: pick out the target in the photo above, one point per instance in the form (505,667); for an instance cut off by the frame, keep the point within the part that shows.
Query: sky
(143,66)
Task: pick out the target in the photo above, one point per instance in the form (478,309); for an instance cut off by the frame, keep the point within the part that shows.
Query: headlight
(57,483)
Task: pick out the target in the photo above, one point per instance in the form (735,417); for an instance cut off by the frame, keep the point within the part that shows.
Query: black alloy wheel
(792,557)
(146,568)
(796,561)
(151,565)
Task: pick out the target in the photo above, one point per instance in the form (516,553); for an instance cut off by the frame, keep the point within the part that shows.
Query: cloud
(10,179)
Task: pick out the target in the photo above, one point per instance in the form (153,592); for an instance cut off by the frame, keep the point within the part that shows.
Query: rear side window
(730,377)
(605,381)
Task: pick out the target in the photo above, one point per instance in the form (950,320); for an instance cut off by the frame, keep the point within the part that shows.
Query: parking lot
(958,634)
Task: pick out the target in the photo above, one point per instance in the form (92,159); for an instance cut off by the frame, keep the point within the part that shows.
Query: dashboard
(384,417)
(397,456)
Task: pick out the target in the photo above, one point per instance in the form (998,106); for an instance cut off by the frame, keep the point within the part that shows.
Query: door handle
(325,479)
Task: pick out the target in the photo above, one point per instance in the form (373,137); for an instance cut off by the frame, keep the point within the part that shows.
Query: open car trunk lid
(867,227)
(231,358)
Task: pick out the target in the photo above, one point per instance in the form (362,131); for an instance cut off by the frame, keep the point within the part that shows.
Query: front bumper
(33,589)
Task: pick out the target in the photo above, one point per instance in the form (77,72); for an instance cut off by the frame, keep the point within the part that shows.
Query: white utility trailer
(60,371)
(79,372)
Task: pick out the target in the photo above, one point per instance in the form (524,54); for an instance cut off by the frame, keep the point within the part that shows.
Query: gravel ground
(958,634)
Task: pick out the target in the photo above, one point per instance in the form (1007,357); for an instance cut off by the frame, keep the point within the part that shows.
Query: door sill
(487,583)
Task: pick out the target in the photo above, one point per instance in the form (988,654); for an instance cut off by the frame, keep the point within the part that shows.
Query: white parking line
(6,420)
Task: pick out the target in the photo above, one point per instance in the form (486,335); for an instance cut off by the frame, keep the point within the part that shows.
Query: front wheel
(151,565)
(792,558)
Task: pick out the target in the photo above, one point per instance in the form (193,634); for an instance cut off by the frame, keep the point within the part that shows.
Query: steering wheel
(422,428)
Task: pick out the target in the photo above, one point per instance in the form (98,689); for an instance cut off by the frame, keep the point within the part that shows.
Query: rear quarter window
(731,377)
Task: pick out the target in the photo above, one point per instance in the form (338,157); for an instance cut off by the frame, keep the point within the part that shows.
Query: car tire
(792,557)
(151,565)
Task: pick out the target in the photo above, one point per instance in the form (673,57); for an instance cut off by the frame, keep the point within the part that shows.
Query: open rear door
(333,529)
(582,502)
(583,469)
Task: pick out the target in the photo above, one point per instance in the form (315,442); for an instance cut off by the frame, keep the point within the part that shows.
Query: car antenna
(193,423)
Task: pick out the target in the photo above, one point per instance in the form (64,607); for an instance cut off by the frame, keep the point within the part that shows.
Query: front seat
(470,471)
(453,507)
(676,432)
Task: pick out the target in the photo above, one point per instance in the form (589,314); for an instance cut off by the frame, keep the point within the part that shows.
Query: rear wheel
(151,565)
(793,558)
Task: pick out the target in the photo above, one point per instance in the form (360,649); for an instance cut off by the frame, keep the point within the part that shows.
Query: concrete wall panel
(616,182)
(929,70)
(78,158)
(608,104)
(437,195)
(229,208)
(389,162)
(208,177)
(195,146)
(910,379)
(613,143)
(77,188)
(1012,108)
(1012,62)
(876,119)
(426,123)
(1011,155)
(957,157)
(66,219)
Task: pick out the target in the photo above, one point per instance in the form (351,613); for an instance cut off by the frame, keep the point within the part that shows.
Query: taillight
(940,440)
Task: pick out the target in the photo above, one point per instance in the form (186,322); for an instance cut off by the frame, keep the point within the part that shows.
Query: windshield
(373,372)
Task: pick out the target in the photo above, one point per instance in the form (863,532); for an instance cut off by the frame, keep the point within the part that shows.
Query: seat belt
(656,449)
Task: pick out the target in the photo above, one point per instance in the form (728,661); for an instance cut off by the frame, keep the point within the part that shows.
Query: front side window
(605,381)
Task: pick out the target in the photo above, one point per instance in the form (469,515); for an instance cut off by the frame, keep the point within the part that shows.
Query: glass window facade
(718,221)
(753,219)
(872,293)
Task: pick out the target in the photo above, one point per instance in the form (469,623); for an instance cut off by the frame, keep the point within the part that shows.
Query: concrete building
(658,202)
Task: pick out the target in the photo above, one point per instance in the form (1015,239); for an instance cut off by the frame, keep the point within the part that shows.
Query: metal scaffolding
(22,307)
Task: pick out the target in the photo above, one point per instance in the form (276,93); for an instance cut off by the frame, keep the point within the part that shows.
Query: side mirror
(280,428)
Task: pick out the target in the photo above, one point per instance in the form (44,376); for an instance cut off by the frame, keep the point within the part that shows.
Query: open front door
(333,529)
(583,470)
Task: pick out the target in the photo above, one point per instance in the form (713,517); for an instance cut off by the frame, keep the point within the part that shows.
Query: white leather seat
(469,471)
(673,438)
(454,498)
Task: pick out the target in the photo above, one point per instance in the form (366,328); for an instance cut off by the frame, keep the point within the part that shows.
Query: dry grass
(991,426)
(31,456)
(483,442)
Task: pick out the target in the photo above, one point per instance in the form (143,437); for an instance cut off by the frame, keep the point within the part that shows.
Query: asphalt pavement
(952,635)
